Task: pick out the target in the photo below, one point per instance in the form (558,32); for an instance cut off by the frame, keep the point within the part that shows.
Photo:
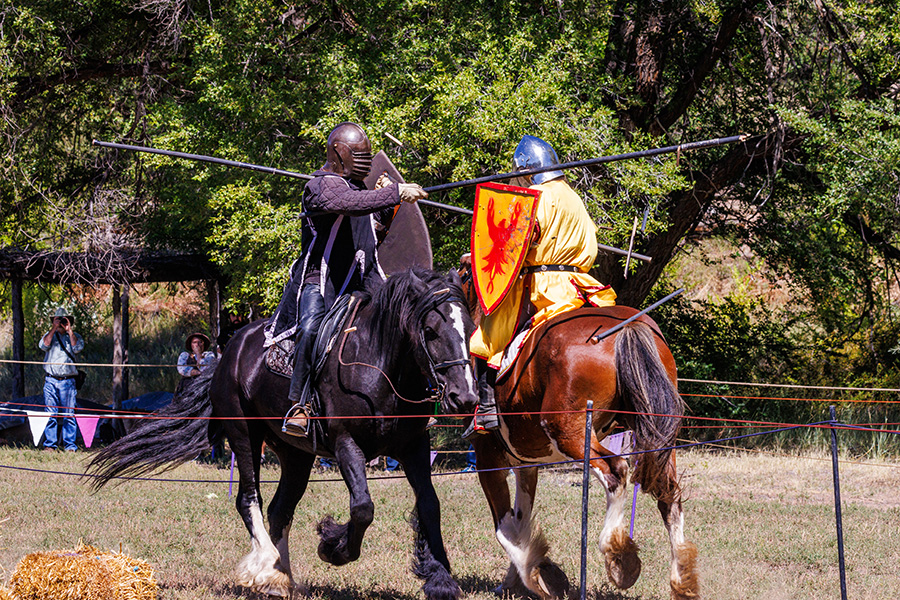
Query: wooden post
(18,323)
(212,292)
(120,344)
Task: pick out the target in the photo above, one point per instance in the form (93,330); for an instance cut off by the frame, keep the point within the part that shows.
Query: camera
(64,321)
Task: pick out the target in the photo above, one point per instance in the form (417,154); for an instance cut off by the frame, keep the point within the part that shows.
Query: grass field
(764,526)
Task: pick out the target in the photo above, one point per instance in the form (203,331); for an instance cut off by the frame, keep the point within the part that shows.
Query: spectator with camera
(60,346)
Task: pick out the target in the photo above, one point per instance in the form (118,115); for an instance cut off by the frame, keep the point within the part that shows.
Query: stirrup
(490,423)
(296,421)
(473,429)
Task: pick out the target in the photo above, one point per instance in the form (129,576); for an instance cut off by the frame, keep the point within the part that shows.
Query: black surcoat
(343,226)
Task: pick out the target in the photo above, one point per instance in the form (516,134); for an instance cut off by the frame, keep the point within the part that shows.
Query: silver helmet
(533,152)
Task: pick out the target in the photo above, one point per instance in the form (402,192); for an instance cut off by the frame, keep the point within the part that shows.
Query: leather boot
(296,421)
(485,419)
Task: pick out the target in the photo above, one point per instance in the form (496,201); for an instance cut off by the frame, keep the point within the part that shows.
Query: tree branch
(687,208)
(687,91)
(104,267)
(28,87)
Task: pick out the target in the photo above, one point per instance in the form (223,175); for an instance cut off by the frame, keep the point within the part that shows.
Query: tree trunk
(212,292)
(18,323)
(120,347)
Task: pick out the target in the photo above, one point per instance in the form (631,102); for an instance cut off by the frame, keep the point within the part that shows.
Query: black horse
(408,338)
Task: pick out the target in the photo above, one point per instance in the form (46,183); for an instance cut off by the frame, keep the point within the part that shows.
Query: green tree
(814,84)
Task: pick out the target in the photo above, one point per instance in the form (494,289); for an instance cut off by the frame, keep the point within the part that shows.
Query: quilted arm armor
(334,194)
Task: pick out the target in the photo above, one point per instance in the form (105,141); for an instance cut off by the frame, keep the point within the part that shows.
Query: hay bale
(83,574)
(5,594)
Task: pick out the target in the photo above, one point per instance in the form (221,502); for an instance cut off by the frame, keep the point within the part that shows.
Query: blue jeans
(59,397)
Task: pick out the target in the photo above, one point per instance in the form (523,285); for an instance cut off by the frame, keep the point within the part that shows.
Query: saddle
(280,355)
(525,341)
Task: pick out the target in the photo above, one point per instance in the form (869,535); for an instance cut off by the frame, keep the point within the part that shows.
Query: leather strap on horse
(350,328)
(547,268)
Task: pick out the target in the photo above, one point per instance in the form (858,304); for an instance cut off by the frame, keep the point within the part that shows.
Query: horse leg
(340,543)
(295,470)
(620,553)
(526,545)
(431,563)
(261,569)
(529,569)
(683,578)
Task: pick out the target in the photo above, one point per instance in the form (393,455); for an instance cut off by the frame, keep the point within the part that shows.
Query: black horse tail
(646,389)
(173,436)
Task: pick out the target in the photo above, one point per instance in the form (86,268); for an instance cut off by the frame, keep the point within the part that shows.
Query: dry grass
(764,526)
(715,268)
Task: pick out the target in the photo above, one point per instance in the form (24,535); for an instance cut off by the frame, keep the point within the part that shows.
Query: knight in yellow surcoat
(554,278)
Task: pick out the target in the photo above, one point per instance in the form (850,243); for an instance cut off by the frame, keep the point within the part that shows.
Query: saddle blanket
(512,353)
(280,355)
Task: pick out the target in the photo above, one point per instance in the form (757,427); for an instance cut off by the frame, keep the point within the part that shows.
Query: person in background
(470,460)
(60,344)
(194,359)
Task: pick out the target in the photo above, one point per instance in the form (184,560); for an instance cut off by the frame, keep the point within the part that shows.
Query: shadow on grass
(235,592)
(606,593)
(473,584)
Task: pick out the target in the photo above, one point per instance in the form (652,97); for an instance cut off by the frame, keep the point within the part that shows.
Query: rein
(436,389)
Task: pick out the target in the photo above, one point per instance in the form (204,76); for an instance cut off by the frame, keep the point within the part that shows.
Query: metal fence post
(837,505)
(585,487)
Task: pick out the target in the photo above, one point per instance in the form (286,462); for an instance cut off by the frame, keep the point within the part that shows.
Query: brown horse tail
(644,386)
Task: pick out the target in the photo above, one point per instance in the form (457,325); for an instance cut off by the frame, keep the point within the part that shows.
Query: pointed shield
(501,233)
(407,243)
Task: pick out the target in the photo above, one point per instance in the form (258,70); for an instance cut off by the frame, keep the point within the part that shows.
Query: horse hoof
(685,585)
(623,565)
(261,572)
(332,555)
(551,580)
(623,570)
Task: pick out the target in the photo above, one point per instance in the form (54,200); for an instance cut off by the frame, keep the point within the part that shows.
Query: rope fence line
(789,385)
(789,398)
(684,445)
(81,364)
(687,444)
(680,379)
(786,455)
(113,414)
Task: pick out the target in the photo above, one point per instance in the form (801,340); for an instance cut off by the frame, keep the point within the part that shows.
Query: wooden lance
(456,184)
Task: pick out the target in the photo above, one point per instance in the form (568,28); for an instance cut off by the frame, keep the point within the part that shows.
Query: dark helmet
(533,152)
(349,152)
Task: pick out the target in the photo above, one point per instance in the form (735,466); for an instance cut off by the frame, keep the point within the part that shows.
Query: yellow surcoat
(568,237)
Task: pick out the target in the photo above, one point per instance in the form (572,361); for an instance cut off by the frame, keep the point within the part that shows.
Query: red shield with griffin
(501,231)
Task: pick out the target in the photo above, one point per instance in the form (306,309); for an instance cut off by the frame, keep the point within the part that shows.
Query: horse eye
(430,334)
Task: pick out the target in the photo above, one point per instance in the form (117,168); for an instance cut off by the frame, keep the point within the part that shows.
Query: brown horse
(631,378)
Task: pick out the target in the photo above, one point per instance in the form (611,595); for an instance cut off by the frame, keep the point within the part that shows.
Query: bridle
(436,389)
(434,385)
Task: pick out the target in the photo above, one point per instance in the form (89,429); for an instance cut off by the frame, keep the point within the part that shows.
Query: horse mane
(401,300)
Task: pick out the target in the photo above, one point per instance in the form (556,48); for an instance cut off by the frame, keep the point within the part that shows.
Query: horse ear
(453,275)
